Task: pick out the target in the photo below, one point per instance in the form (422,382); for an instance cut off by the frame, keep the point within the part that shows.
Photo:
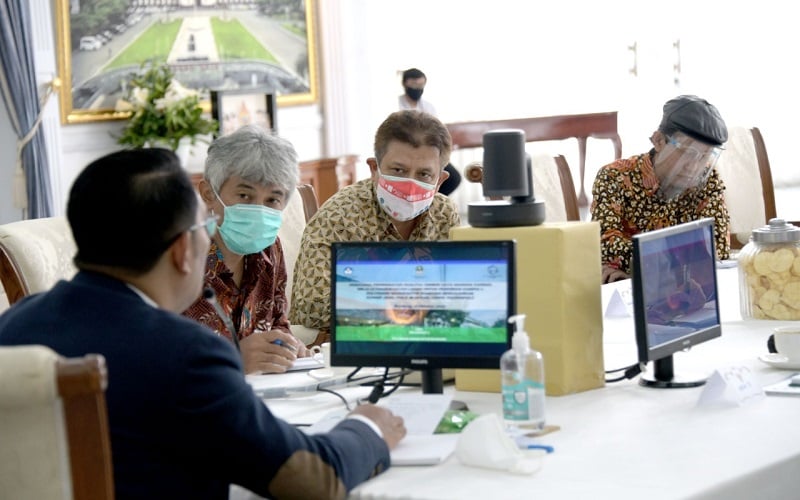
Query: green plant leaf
(180,115)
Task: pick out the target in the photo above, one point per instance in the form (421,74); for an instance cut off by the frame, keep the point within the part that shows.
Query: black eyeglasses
(210,225)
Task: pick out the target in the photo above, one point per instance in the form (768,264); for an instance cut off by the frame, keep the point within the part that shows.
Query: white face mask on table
(485,443)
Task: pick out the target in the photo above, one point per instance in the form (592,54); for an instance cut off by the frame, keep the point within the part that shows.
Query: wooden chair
(34,255)
(552,182)
(53,426)
(749,193)
(309,197)
(567,188)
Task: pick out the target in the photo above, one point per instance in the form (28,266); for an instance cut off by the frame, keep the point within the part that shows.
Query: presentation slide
(437,302)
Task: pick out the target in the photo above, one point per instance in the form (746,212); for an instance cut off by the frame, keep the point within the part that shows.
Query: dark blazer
(184,423)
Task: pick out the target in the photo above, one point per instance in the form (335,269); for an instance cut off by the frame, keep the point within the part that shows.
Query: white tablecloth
(625,441)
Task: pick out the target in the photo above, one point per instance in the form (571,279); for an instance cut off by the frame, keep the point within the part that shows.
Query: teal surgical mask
(249,229)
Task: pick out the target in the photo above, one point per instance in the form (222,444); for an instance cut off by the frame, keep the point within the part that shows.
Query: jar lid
(777,231)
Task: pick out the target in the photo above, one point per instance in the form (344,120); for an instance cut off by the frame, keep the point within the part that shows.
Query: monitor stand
(432,384)
(432,381)
(663,377)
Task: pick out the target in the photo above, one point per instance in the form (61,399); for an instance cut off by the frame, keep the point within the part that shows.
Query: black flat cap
(696,118)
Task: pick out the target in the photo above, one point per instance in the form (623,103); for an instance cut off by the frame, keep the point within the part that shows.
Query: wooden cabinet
(328,175)
(320,173)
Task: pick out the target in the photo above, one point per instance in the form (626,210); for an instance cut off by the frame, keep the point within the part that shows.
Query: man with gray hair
(673,183)
(249,177)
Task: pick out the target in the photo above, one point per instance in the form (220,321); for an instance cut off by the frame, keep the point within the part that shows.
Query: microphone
(211,298)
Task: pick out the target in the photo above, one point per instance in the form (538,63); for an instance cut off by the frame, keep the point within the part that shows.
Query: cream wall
(508,58)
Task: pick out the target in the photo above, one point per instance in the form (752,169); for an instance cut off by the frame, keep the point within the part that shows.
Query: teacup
(787,341)
(322,352)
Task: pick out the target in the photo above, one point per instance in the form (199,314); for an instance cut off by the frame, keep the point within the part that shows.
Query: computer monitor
(422,305)
(674,297)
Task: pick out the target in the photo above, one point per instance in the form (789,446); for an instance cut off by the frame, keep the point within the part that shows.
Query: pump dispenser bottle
(522,371)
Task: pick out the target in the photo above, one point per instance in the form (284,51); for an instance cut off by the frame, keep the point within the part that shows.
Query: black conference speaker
(505,163)
(506,173)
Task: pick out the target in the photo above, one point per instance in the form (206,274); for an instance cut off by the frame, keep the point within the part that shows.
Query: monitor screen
(674,297)
(422,305)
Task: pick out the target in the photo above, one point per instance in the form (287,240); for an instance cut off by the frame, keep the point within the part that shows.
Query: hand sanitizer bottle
(523,380)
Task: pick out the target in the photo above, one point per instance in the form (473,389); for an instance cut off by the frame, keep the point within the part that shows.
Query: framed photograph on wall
(207,44)
(236,108)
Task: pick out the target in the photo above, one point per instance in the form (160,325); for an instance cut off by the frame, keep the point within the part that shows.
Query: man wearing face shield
(673,183)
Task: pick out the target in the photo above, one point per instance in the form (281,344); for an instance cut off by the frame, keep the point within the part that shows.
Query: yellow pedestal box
(558,289)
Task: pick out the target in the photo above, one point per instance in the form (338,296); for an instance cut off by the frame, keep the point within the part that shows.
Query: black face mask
(413,94)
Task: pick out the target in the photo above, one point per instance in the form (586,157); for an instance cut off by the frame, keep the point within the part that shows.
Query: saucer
(321,373)
(780,361)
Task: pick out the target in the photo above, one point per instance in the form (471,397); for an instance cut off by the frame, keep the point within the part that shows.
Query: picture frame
(224,44)
(236,108)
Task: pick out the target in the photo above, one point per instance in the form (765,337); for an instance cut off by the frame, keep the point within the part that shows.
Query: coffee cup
(787,341)
(322,353)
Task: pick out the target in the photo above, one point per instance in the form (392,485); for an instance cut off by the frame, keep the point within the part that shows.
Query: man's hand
(612,274)
(391,425)
(261,353)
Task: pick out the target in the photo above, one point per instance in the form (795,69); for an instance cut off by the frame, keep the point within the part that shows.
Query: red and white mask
(403,198)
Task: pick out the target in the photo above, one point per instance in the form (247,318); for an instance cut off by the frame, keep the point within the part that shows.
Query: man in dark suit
(184,423)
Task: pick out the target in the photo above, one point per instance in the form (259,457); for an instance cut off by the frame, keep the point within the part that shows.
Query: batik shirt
(626,202)
(352,214)
(259,304)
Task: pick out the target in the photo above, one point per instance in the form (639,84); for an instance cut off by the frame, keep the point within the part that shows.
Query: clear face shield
(682,164)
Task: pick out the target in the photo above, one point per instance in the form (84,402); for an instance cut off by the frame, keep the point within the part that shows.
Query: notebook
(422,414)
(307,363)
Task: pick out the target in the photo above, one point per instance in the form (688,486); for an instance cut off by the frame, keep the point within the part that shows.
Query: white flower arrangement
(162,110)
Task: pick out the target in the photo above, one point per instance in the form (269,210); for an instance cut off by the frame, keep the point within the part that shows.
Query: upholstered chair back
(302,205)
(53,426)
(749,194)
(34,255)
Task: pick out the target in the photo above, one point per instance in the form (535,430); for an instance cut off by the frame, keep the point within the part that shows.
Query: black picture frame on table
(235,108)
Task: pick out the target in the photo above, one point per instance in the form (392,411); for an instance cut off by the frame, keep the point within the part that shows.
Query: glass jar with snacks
(769,273)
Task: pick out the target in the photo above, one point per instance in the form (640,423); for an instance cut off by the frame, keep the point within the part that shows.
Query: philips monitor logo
(419,362)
